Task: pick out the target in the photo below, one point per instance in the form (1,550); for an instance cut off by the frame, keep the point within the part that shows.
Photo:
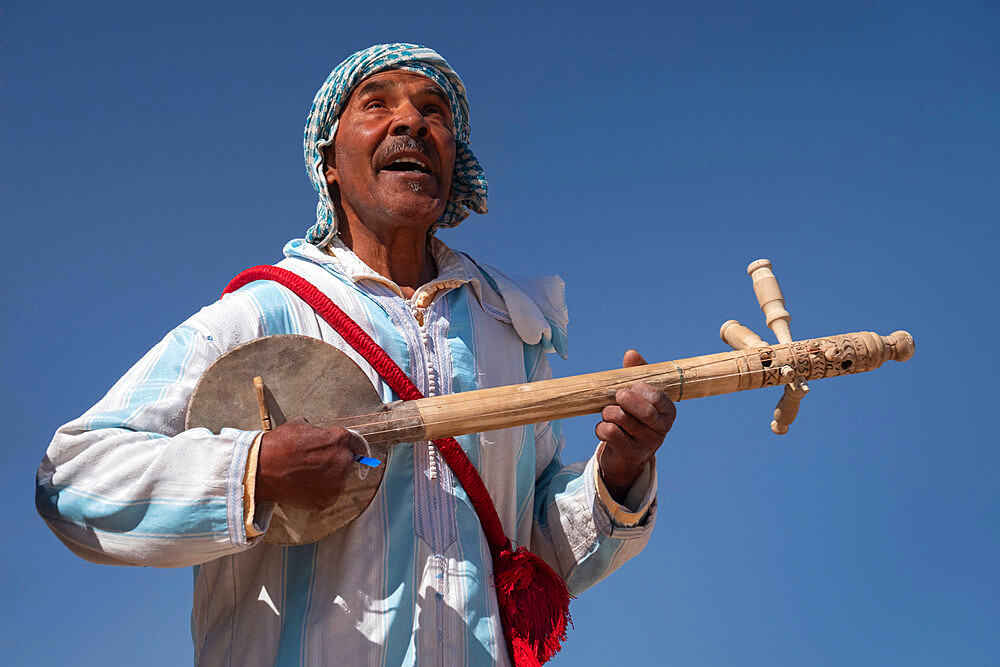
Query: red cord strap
(397,380)
(533,599)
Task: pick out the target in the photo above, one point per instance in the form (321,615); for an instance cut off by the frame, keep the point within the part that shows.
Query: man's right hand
(303,465)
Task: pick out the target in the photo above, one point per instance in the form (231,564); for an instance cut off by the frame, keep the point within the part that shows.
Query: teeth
(410,160)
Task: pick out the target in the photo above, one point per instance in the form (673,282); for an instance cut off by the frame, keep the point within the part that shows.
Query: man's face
(394,152)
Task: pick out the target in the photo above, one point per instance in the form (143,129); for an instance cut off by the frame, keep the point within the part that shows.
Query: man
(387,148)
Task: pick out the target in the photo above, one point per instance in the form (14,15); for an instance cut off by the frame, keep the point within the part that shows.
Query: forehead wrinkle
(435,90)
(375,86)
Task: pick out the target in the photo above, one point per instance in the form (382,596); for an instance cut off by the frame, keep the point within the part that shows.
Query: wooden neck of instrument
(694,377)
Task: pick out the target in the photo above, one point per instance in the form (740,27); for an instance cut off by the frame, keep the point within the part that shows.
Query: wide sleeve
(582,536)
(126,484)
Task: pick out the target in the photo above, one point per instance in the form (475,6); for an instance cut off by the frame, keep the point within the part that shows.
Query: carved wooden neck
(726,372)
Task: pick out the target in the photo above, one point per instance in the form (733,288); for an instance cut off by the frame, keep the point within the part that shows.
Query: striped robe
(409,580)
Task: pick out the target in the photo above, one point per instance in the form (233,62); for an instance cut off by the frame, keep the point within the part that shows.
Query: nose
(409,121)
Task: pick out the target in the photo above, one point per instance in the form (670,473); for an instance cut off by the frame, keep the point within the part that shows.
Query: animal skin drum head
(303,377)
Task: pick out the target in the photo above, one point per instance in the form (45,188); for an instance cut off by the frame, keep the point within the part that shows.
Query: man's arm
(583,530)
(125,484)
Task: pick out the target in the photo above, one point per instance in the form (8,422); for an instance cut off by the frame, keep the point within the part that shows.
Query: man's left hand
(632,430)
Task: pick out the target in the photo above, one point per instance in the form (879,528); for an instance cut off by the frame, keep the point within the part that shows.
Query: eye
(375,104)
(440,112)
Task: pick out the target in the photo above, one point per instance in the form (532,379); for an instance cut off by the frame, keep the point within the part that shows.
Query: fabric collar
(452,271)
(535,307)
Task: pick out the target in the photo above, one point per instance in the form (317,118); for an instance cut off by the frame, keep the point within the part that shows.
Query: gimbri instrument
(269,380)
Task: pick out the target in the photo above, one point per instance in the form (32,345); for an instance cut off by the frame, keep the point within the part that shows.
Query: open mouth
(407,164)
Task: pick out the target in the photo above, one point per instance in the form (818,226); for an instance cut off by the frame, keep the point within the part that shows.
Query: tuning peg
(772,302)
(739,337)
(770,298)
(788,406)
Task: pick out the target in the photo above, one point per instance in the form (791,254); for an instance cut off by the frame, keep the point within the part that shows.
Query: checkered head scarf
(468,185)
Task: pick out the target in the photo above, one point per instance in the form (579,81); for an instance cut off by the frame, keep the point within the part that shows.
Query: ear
(329,165)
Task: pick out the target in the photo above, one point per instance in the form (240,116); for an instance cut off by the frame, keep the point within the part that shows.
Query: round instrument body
(303,377)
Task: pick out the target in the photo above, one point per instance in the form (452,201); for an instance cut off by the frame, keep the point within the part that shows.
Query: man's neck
(403,256)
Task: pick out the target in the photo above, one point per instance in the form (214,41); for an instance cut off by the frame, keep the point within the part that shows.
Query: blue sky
(646,152)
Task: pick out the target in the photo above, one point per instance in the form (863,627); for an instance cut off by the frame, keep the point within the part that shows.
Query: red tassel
(534,606)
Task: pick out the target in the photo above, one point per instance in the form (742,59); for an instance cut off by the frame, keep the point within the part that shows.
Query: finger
(624,446)
(657,398)
(630,426)
(605,430)
(660,401)
(637,404)
(353,441)
(617,439)
(632,358)
(644,436)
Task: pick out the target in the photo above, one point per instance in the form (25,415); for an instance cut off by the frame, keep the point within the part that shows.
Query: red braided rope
(533,600)
(397,380)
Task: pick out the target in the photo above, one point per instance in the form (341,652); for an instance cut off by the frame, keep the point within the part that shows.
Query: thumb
(633,358)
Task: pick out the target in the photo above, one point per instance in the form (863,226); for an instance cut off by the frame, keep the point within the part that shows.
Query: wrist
(618,475)
(264,491)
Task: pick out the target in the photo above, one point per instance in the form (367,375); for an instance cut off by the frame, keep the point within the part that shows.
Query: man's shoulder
(259,308)
(534,305)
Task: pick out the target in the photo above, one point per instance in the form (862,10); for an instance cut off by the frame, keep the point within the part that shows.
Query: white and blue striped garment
(125,484)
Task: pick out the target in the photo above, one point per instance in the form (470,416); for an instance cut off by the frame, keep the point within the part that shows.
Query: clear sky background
(646,152)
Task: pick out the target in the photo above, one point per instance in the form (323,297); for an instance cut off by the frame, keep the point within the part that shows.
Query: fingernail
(367,461)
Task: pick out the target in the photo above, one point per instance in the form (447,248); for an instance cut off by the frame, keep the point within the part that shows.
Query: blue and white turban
(468,185)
